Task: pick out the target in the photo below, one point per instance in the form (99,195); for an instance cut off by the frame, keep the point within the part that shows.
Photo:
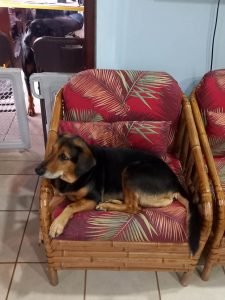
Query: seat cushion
(166,224)
(119,95)
(144,135)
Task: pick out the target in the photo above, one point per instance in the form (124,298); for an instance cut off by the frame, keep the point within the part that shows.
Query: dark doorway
(90,32)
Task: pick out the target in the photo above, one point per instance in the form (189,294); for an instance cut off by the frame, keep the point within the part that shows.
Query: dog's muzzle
(40,170)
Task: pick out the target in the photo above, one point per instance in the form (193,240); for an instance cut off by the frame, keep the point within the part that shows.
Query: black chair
(6,54)
(57,54)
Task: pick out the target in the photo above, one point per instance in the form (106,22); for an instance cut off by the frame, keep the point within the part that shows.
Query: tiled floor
(23,262)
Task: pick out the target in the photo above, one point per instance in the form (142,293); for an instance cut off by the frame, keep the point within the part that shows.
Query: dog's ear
(27,25)
(86,159)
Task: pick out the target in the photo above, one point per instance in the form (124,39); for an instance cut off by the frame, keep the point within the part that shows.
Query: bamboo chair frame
(215,249)
(63,254)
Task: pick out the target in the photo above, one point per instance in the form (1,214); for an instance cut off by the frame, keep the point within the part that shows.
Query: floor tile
(35,125)
(12,225)
(14,132)
(6,121)
(122,285)
(171,289)
(11,167)
(17,192)
(31,251)
(30,282)
(37,145)
(5,277)
(35,153)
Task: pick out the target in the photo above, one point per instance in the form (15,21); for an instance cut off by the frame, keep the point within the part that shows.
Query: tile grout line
(157,282)
(15,115)
(85,283)
(20,246)
(35,190)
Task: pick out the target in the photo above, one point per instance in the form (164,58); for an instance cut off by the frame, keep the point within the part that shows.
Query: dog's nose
(40,170)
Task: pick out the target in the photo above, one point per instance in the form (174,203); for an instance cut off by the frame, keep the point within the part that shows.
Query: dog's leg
(55,201)
(130,204)
(30,110)
(60,222)
(29,67)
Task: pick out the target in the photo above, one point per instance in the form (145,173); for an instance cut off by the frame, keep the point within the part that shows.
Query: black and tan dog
(123,180)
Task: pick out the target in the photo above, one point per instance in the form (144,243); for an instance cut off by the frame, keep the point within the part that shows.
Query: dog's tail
(194,222)
(194,227)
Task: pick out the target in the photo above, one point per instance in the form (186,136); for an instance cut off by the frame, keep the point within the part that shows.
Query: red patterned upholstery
(145,135)
(216,132)
(118,95)
(103,106)
(210,95)
(220,165)
(211,92)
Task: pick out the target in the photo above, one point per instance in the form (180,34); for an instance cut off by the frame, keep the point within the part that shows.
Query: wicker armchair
(65,253)
(207,101)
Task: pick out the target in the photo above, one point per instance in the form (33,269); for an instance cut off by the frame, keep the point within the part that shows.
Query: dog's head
(35,29)
(69,159)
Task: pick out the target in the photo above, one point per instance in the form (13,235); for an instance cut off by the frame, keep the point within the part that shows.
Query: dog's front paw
(31,111)
(102,206)
(56,228)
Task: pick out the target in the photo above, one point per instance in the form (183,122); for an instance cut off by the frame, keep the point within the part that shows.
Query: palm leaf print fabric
(210,95)
(119,95)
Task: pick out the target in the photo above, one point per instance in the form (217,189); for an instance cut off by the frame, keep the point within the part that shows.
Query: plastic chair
(57,54)
(6,55)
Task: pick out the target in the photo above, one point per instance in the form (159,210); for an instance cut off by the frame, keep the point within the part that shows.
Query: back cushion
(210,92)
(119,95)
(210,95)
(150,136)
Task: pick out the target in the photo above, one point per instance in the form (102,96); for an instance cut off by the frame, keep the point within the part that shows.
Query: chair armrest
(46,194)
(190,154)
(46,191)
(219,225)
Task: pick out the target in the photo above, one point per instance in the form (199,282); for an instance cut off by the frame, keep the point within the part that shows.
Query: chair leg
(53,277)
(185,278)
(206,270)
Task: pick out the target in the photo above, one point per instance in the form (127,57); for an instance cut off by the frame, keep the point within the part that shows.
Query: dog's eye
(63,157)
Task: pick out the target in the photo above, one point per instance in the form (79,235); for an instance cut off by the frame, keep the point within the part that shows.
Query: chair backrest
(57,54)
(6,56)
(150,101)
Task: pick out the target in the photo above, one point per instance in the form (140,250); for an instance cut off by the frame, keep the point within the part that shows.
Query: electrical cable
(214,34)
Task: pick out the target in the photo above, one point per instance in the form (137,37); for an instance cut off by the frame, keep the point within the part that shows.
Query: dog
(58,27)
(112,179)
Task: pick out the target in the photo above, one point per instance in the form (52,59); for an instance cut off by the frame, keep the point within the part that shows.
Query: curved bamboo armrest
(212,170)
(46,191)
(190,154)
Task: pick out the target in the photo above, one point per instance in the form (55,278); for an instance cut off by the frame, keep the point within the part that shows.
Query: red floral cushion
(165,224)
(216,132)
(145,135)
(211,91)
(119,95)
